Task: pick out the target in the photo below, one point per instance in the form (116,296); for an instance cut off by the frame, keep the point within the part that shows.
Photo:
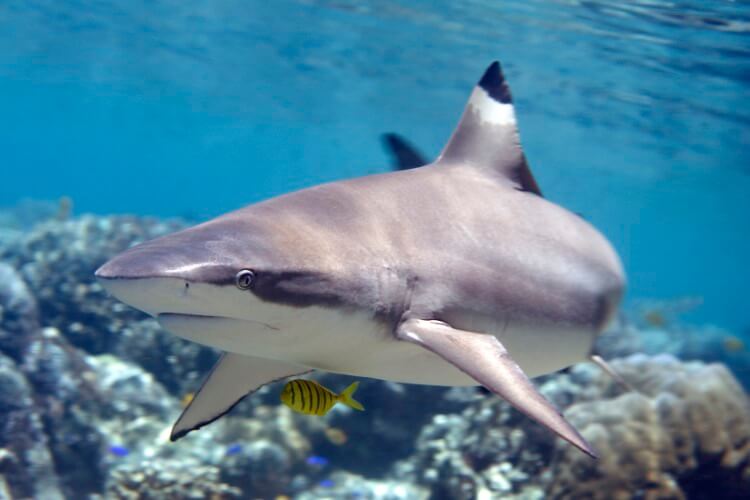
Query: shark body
(455,273)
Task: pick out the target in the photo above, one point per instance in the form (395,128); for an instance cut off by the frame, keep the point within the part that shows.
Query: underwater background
(123,121)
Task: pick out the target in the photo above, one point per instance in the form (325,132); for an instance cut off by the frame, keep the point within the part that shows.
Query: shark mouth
(169,319)
(227,334)
(241,336)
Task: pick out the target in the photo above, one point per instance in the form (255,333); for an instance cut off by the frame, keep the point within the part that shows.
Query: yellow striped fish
(308,396)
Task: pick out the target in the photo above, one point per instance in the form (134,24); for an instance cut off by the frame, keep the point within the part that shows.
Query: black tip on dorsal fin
(493,82)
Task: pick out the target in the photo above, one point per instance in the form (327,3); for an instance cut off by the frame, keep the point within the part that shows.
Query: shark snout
(157,276)
(136,277)
(166,259)
(132,265)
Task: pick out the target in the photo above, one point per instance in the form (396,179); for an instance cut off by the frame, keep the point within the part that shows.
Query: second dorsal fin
(487,135)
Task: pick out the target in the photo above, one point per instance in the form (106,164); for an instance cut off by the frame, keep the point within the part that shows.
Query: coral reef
(485,450)
(81,392)
(90,388)
(394,413)
(685,430)
(57,260)
(26,464)
(684,341)
(343,485)
(19,315)
(149,481)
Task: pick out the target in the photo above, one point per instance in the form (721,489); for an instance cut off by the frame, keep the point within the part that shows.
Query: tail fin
(346,397)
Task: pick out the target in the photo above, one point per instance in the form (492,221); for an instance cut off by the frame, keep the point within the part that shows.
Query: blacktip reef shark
(456,273)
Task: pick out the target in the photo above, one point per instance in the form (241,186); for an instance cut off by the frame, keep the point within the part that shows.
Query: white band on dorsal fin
(491,110)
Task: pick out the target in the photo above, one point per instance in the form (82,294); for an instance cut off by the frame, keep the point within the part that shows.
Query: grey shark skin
(455,273)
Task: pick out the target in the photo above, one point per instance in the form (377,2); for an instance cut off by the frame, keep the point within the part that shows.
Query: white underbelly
(356,344)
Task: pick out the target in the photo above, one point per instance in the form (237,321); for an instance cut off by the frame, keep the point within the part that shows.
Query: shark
(455,273)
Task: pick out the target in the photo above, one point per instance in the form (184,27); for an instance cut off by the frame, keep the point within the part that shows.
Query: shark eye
(244,279)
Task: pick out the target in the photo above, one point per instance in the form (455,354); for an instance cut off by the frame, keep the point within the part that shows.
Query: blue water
(634,114)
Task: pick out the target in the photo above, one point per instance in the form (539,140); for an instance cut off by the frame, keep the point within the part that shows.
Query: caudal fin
(346,397)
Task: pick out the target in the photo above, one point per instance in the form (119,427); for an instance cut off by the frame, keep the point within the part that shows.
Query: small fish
(119,450)
(733,344)
(187,399)
(326,483)
(655,318)
(317,461)
(336,436)
(308,396)
(234,449)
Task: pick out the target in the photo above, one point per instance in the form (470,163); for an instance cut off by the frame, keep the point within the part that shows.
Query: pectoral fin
(486,360)
(233,377)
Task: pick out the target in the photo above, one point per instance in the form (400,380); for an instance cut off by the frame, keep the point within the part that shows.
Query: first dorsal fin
(487,135)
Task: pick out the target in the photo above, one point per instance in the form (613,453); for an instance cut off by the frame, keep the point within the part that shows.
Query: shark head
(226,275)
(205,271)
(156,277)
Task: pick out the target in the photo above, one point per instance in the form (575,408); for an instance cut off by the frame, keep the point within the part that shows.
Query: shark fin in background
(233,377)
(404,154)
(487,135)
(486,360)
